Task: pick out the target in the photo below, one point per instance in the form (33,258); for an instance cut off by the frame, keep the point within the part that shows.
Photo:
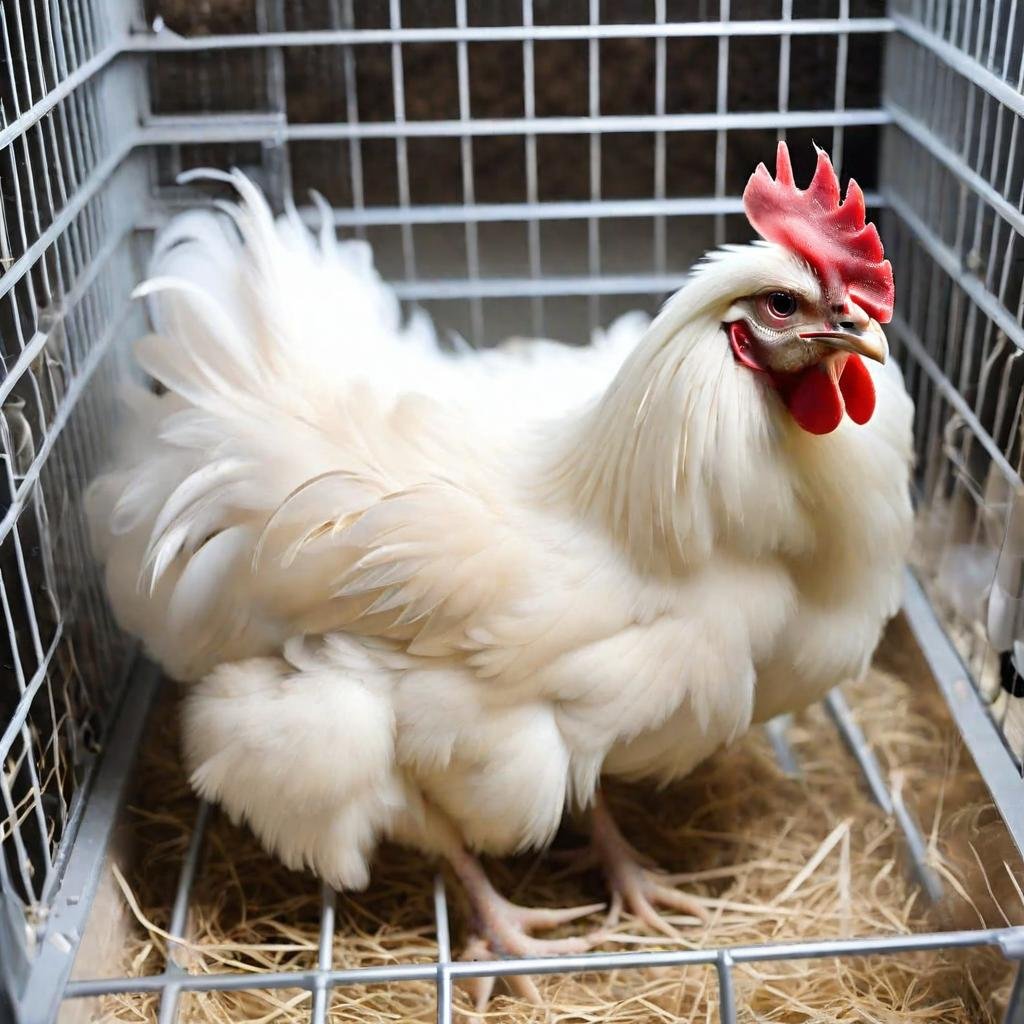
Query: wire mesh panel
(65,250)
(522,162)
(954,183)
(520,166)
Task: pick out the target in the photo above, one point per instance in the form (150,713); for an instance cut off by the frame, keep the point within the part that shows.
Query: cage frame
(105,49)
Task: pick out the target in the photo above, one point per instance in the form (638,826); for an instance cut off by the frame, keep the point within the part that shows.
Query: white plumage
(435,595)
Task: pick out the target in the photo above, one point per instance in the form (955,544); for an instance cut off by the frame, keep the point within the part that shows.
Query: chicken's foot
(502,928)
(636,884)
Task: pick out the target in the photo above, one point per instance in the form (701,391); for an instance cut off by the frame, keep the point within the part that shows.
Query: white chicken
(435,597)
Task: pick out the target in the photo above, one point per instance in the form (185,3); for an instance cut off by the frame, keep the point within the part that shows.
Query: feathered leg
(636,884)
(502,928)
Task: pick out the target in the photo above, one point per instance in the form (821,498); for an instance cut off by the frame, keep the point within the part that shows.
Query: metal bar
(763,953)
(444,953)
(660,170)
(401,149)
(168,1006)
(355,153)
(839,101)
(570,210)
(67,916)
(532,193)
(594,143)
(777,730)
(514,33)
(525,287)
(980,733)
(471,231)
(325,954)
(163,130)
(890,803)
(726,989)
(1015,1006)
(721,111)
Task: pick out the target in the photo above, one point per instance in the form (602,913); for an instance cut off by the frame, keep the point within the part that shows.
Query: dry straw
(773,858)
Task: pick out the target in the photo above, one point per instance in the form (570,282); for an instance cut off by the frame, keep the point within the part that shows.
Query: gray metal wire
(90,140)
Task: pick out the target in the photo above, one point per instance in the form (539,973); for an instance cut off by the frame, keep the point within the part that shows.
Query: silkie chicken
(435,596)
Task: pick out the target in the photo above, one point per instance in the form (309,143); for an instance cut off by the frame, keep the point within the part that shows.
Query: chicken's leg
(502,928)
(636,885)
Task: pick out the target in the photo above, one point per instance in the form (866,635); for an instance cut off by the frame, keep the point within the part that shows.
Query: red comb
(845,252)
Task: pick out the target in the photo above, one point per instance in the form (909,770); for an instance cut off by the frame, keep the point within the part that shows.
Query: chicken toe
(505,929)
(636,885)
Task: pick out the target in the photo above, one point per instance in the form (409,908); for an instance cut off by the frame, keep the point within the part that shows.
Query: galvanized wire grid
(102,104)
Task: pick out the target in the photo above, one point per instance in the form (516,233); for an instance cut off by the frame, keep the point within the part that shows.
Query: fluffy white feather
(514,570)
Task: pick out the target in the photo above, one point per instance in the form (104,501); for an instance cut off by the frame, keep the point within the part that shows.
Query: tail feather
(293,399)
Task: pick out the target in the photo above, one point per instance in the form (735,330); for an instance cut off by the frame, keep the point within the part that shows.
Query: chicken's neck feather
(681,454)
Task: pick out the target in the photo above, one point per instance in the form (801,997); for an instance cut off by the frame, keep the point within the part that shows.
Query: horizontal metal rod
(528,287)
(162,130)
(480,213)
(171,41)
(763,953)
(961,62)
(491,213)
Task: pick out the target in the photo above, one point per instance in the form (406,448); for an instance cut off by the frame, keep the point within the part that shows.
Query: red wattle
(858,390)
(813,400)
(818,396)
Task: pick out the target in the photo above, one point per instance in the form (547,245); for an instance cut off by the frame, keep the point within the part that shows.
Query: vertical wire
(721,107)
(325,954)
(660,68)
(355,148)
(167,1007)
(785,51)
(726,989)
(444,952)
(532,192)
(401,149)
(842,52)
(593,225)
(271,18)
(472,233)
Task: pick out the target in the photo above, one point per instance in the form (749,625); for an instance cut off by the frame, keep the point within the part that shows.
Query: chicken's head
(816,296)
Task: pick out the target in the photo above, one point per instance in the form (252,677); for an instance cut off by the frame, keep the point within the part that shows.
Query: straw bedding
(774,858)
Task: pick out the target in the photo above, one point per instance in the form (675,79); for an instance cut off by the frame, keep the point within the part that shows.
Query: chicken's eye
(781,304)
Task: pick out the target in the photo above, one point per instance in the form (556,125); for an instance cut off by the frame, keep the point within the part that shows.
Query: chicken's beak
(869,342)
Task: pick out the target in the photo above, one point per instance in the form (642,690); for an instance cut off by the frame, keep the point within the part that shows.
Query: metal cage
(567,161)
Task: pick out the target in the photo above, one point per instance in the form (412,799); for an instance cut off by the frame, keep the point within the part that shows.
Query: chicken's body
(435,598)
